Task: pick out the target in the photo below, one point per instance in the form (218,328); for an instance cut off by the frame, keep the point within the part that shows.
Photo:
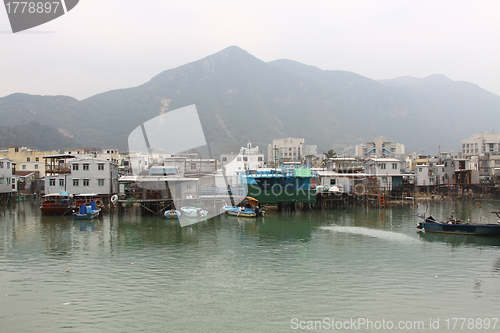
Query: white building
(248,158)
(380,147)
(289,150)
(7,180)
(481,143)
(100,154)
(84,176)
(386,170)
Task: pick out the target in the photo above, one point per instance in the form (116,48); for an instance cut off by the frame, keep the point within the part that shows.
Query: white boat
(190,211)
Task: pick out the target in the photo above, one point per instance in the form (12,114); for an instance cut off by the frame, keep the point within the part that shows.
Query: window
(100,166)
(27,159)
(75,167)
(37,159)
(333,181)
(420,169)
(8,181)
(382,165)
(394,166)
(224,159)
(17,150)
(260,158)
(100,182)
(85,167)
(193,166)
(52,182)
(8,165)
(86,182)
(61,182)
(1,181)
(245,158)
(1,165)
(24,166)
(75,182)
(36,166)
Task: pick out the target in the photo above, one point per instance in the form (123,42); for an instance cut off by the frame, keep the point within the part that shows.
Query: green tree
(327,155)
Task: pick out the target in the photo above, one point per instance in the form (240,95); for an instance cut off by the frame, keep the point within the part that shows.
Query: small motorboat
(251,210)
(459,227)
(189,211)
(87,212)
(172,214)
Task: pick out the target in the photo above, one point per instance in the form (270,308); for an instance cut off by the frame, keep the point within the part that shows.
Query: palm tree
(328,154)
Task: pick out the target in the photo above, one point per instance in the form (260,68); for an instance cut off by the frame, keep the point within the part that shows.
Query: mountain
(241,98)
(34,135)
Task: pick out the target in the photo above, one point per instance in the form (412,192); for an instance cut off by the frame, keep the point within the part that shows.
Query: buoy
(114,198)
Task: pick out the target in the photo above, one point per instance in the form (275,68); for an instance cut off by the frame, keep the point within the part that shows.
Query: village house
(28,159)
(386,170)
(80,175)
(248,158)
(7,180)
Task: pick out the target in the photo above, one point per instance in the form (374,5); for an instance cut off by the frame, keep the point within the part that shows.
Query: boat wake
(381,234)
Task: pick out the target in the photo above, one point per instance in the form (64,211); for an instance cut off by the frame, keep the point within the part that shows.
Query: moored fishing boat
(250,210)
(458,227)
(57,204)
(242,211)
(172,214)
(87,212)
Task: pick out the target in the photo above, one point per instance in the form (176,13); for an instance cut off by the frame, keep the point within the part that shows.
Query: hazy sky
(108,44)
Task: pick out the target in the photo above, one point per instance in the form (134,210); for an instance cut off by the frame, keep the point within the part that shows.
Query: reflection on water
(457,240)
(133,273)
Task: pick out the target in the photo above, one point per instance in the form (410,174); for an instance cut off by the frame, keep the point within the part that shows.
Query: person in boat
(257,211)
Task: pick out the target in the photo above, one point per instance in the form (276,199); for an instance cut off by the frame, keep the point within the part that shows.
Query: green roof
(304,173)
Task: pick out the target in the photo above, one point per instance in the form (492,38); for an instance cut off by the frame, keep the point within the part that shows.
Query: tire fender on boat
(98,203)
(114,198)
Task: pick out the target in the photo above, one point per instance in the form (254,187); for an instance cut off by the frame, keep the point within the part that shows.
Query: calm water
(143,274)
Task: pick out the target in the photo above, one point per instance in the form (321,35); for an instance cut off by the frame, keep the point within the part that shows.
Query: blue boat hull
(463,229)
(88,216)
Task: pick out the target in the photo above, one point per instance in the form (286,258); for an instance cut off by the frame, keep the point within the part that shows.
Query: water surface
(146,274)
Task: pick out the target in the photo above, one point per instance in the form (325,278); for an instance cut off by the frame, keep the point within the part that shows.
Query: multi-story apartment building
(481,143)
(289,150)
(378,148)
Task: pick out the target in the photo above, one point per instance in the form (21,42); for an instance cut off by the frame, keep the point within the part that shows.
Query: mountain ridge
(241,98)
